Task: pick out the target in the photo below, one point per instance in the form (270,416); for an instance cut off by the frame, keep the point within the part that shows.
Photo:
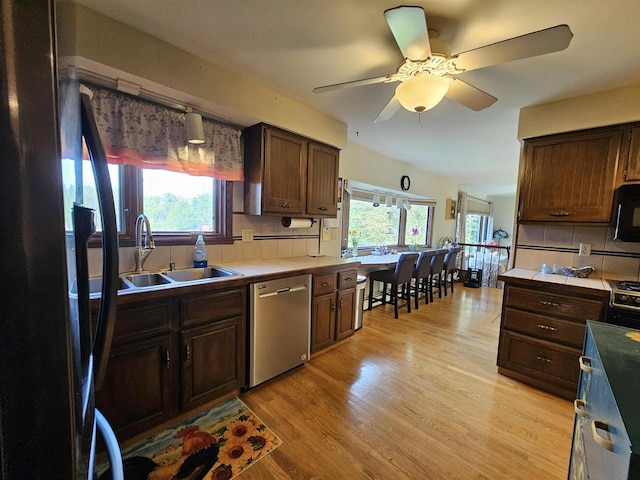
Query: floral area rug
(217,444)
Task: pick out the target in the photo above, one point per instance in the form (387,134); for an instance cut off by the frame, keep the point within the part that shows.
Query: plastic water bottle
(200,254)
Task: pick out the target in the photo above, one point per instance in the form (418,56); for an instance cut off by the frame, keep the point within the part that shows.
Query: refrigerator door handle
(111,444)
(108,302)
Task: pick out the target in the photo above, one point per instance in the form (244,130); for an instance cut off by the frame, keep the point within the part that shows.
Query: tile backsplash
(551,244)
(270,240)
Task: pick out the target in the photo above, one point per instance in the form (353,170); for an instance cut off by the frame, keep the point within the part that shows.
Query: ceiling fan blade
(532,44)
(388,111)
(356,83)
(469,96)
(409,27)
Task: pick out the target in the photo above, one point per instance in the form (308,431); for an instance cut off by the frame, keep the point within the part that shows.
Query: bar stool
(449,267)
(421,276)
(398,278)
(435,272)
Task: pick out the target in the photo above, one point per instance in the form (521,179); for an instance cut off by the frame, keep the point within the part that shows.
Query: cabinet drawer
(539,358)
(324,283)
(211,306)
(142,322)
(573,308)
(347,279)
(547,328)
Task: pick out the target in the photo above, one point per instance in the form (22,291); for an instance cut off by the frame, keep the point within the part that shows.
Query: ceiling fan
(429,71)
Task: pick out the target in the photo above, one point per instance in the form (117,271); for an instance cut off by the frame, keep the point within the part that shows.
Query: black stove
(624,303)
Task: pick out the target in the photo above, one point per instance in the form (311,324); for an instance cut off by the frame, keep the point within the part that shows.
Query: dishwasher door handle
(282,291)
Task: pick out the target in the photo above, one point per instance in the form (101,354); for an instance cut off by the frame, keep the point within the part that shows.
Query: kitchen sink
(146,279)
(95,286)
(192,274)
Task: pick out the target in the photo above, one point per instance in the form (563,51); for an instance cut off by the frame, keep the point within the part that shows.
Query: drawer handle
(605,443)
(585,364)
(544,359)
(580,407)
(188,353)
(167,359)
(322,209)
(326,284)
(333,307)
(561,213)
(547,327)
(285,205)
(549,304)
(348,279)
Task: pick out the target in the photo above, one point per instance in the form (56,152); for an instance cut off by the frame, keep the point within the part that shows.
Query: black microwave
(628,219)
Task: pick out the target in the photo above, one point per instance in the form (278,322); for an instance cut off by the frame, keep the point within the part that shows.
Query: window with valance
(139,138)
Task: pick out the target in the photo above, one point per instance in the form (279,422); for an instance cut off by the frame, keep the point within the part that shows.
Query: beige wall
(620,105)
(504,207)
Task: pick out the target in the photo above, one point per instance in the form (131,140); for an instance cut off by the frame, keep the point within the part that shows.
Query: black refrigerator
(52,356)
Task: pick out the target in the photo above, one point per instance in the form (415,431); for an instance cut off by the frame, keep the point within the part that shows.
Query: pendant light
(376,200)
(195,131)
(422,92)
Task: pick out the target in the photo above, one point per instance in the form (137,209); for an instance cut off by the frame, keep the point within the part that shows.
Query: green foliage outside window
(375,225)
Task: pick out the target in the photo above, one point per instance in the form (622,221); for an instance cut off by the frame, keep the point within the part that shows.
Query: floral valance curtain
(146,135)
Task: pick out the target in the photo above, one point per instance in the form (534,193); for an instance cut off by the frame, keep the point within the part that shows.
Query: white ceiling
(293,46)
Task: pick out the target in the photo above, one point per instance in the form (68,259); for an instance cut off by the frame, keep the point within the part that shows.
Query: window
(177,202)
(375,225)
(86,193)
(386,226)
(476,228)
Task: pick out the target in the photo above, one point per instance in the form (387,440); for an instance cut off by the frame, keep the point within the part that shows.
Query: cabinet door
(571,177)
(285,173)
(136,393)
(213,361)
(633,166)
(345,314)
(323,326)
(322,184)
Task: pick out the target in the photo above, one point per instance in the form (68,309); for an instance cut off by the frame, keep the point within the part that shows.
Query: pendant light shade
(422,92)
(376,200)
(195,132)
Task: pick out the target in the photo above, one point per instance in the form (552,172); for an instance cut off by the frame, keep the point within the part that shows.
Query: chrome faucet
(141,252)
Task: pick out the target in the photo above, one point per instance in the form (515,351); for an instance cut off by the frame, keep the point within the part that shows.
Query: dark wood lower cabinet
(171,355)
(332,308)
(210,366)
(542,332)
(136,393)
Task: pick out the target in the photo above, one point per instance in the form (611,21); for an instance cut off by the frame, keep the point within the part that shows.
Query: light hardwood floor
(413,398)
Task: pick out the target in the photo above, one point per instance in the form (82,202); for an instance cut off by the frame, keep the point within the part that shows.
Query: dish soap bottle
(200,254)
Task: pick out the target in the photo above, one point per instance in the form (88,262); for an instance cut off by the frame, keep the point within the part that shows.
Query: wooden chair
(422,276)
(435,272)
(449,267)
(398,279)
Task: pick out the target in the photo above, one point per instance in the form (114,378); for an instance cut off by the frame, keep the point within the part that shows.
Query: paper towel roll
(289,222)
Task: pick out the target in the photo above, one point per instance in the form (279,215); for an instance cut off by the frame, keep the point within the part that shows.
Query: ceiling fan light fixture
(422,92)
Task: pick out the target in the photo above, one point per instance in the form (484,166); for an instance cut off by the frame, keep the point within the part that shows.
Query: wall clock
(405,182)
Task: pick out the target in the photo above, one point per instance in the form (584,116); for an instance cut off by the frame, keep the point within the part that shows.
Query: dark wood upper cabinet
(632,170)
(570,178)
(288,175)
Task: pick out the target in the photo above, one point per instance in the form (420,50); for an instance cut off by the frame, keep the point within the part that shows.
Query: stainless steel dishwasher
(279,326)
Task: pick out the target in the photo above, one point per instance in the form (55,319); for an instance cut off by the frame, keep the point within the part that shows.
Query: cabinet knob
(167,359)
(333,307)
(322,209)
(188,353)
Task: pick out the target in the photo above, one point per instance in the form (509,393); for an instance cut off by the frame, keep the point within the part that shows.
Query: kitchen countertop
(257,268)
(535,275)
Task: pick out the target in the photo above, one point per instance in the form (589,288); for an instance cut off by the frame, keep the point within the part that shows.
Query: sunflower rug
(216,444)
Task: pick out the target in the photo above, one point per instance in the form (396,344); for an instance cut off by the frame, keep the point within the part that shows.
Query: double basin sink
(131,281)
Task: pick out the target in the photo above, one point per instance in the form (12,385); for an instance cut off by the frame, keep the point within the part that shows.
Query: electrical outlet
(247,235)
(584,250)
